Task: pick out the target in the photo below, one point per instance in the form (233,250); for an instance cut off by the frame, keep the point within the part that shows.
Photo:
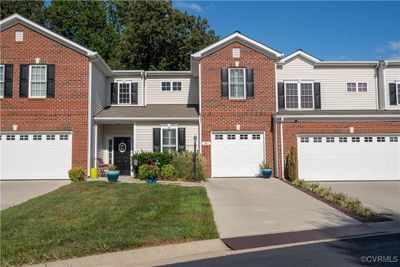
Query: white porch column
(95,145)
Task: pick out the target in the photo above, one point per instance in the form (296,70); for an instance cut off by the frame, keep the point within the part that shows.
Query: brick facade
(292,129)
(68,111)
(221,114)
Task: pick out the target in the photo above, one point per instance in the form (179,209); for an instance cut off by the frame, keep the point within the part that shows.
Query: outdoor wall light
(237,127)
(351,129)
(15,127)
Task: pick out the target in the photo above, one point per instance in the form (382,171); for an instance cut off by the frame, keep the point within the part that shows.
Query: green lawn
(95,217)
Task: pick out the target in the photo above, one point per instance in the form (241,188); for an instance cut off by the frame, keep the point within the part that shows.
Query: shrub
(143,157)
(183,163)
(291,165)
(148,171)
(167,172)
(76,174)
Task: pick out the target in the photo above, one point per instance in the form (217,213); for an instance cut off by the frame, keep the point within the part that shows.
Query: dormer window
(236,52)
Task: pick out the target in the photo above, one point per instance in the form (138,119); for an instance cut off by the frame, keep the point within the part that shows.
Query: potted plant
(265,169)
(112,174)
(149,173)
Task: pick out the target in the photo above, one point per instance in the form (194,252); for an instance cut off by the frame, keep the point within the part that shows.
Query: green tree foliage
(89,23)
(131,34)
(33,10)
(158,37)
(291,165)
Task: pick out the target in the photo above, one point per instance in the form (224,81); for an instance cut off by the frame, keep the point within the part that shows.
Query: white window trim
(171,86)
(299,94)
(30,82)
(244,88)
(130,92)
(4,80)
(357,89)
(162,138)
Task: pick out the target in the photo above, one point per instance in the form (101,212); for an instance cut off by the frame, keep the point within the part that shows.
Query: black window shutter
(281,95)
(23,80)
(392,94)
(114,93)
(134,93)
(181,139)
(51,78)
(249,83)
(156,139)
(224,82)
(317,95)
(8,80)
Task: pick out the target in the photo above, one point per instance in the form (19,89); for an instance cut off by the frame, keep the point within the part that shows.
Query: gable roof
(18,19)
(300,53)
(237,37)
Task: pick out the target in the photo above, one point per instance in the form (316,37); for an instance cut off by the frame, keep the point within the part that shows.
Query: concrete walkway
(16,192)
(254,206)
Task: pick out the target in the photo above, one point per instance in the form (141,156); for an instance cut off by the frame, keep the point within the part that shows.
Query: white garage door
(35,156)
(236,154)
(343,158)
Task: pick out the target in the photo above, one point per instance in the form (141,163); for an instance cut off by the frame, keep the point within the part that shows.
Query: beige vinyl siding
(392,75)
(188,95)
(334,95)
(129,79)
(144,133)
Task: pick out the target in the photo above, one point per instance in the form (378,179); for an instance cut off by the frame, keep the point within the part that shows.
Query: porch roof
(149,112)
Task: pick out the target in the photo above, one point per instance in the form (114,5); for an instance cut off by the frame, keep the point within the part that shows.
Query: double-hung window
(398,93)
(124,93)
(169,139)
(37,81)
(2,75)
(299,95)
(237,88)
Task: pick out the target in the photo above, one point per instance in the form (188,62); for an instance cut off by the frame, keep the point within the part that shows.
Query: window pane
(291,95)
(38,81)
(169,139)
(177,86)
(124,93)
(236,83)
(351,87)
(362,87)
(2,73)
(306,95)
(166,86)
(398,93)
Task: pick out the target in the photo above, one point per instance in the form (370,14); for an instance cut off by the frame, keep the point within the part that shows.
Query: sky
(326,30)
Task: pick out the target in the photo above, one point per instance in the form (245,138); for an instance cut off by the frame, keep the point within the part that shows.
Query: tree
(33,10)
(89,23)
(157,37)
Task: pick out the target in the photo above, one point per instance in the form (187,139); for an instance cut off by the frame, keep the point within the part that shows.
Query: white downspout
(282,152)
(89,138)
(200,121)
(143,91)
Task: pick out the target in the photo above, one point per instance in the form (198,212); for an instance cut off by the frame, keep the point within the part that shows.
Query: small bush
(143,157)
(167,172)
(291,165)
(183,163)
(148,171)
(264,165)
(76,174)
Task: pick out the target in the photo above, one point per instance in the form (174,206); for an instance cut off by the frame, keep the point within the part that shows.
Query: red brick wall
(292,129)
(68,111)
(223,114)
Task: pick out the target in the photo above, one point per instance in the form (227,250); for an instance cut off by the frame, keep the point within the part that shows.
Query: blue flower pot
(266,173)
(151,180)
(112,176)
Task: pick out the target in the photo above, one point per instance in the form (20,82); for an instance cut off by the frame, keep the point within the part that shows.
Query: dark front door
(122,151)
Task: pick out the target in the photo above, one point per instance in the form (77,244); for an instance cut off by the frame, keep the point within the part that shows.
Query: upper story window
(124,93)
(37,81)
(171,86)
(237,83)
(398,93)
(299,95)
(169,139)
(2,74)
(357,87)
(236,52)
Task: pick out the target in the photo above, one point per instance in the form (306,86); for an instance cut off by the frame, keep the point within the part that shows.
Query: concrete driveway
(16,192)
(382,197)
(253,206)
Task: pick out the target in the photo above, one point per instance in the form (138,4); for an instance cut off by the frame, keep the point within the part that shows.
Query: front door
(122,152)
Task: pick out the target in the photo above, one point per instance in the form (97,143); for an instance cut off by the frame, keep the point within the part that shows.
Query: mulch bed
(375,217)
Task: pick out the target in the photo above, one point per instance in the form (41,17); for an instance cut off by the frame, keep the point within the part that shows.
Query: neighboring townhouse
(242,102)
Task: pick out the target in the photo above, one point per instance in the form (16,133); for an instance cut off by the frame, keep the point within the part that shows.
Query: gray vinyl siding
(188,95)
(144,133)
(133,79)
(334,95)
(392,75)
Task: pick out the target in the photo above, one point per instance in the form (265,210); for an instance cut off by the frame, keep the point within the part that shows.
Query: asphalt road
(383,250)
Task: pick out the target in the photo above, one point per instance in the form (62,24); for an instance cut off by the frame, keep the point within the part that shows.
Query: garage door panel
(35,159)
(349,161)
(238,157)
